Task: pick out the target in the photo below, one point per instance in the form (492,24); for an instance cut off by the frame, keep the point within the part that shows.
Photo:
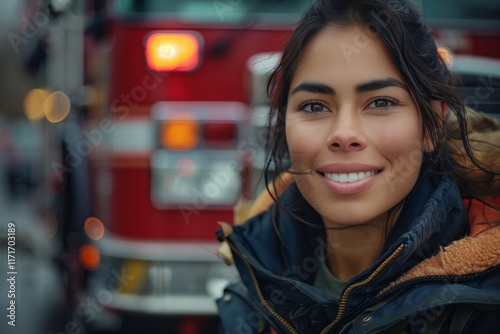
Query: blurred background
(129,128)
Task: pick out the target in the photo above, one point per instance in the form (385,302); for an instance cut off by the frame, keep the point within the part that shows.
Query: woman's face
(353,126)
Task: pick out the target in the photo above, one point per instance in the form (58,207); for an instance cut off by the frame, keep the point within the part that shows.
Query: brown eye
(383,103)
(313,107)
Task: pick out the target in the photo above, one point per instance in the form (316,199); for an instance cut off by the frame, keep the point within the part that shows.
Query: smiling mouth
(350,177)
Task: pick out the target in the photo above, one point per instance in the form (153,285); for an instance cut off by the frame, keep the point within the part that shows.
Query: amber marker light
(173,51)
(180,132)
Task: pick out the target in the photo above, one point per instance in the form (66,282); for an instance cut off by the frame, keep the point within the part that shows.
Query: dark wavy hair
(414,52)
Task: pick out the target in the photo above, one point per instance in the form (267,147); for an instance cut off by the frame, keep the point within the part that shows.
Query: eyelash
(392,103)
(304,105)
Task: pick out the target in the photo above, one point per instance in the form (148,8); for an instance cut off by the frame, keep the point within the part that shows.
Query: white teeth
(343,178)
(349,177)
(352,177)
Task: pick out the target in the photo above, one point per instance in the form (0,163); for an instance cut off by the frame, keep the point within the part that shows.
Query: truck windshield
(212,10)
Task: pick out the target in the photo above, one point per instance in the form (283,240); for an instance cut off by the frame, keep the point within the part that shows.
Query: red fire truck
(170,116)
(171,105)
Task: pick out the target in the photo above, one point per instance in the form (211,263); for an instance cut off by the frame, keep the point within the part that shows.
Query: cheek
(398,140)
(303,143)
(296,147)
(402,147)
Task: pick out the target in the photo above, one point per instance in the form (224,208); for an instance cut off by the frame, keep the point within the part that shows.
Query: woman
(371,235)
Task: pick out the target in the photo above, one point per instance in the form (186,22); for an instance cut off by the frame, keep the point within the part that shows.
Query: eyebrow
(380,84)
(314,87)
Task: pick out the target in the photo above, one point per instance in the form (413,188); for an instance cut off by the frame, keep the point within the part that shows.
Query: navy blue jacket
(277,264)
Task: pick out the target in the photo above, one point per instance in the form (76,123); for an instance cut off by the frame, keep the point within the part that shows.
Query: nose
(346,133)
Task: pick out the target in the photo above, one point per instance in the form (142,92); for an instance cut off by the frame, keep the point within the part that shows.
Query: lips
(349,178)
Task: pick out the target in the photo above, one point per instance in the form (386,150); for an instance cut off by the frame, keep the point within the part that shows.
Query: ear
(440,108)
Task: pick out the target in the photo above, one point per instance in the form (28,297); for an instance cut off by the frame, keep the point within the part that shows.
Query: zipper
(414,281)
(268,307)
(347,292)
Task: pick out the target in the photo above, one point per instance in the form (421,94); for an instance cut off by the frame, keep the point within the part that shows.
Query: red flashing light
(174,51)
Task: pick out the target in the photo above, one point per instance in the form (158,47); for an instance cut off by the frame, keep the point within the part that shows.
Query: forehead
(345,53)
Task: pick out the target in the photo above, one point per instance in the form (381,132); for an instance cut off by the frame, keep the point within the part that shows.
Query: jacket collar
(433,216)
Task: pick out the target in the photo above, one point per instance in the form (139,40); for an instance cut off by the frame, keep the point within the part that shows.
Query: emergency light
(173,51)
(180,132)
(188,130)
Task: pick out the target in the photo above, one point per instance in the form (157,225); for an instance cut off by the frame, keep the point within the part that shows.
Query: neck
(353,249)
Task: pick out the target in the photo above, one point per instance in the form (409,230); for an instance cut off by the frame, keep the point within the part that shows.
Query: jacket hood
(467,256)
